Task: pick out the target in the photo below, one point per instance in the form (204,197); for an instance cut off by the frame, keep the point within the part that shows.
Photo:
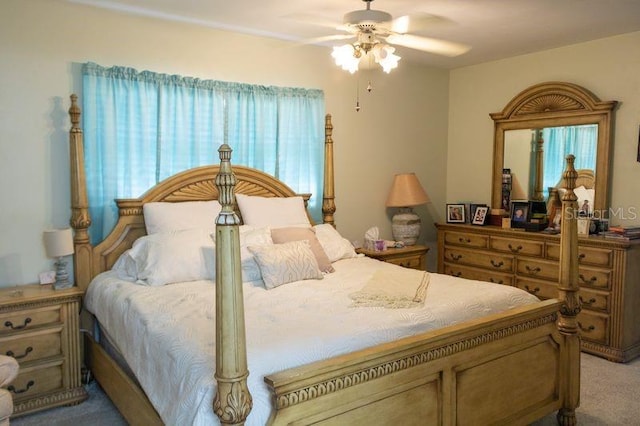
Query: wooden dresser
(609,276)
(39,327)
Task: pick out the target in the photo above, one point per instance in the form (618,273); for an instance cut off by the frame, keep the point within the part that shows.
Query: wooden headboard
(197,184)
(586,178)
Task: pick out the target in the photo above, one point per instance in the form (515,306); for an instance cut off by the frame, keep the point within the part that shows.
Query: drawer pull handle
(588,329)
(587,302)
(515,249)
(456,257)
(582,256)
(457,274)
(591,280)
(497,282)
(17,327)
(532,270)
(17,391)
(26,352)
(532,291)
(464,240)
(496,264)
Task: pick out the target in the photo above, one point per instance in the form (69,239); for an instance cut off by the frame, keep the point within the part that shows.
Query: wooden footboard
(502,369)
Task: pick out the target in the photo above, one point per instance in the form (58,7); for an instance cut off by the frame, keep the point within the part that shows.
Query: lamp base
(62,277)
(405,226)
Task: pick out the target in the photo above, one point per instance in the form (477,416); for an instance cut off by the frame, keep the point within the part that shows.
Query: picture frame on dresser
(480,215)
(519,213)
(456,213)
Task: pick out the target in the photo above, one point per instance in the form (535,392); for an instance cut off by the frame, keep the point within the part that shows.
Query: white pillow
(166,217)
(335,245)
(276,212)
(170,257)
(250,235)
(285,263)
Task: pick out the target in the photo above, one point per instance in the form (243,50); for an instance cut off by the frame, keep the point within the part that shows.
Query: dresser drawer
(586,255)
(32,346)
(594,300)
(34,381)
(521,247)
(483,259)
(466,239)
(594,278)
(28,319)
(539,288)
(478,274)
(540,269)
(594,327)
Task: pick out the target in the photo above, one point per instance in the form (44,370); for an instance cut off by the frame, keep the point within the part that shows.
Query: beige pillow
(285,235)
(286,263)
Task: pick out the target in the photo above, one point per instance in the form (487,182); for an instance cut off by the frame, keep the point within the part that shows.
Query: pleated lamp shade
(405,193)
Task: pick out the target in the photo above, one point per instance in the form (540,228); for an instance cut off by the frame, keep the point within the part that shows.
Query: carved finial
(74,113)
(226,182)
(328,128)
(569,177)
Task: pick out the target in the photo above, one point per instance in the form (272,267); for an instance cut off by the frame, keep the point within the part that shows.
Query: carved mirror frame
(554,104)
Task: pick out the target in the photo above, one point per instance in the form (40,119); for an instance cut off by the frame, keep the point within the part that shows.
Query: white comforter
(167,334)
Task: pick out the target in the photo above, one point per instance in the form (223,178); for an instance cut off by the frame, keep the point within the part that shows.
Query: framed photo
(472,210)
(519,213)
(455,213)
(480,215)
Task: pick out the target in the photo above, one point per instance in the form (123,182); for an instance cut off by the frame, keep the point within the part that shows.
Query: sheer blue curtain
(559,142)
(142,127)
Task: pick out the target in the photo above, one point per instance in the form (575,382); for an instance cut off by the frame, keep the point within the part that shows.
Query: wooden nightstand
(39,327)
(414,257)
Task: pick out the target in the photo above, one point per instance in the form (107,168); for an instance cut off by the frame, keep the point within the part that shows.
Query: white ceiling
(494,28)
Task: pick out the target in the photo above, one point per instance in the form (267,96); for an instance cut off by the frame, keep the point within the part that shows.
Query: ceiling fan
(375,31)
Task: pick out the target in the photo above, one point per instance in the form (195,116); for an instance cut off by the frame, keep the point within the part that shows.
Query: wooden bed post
(328,200)
(80,218)
(233,402)
(568,295)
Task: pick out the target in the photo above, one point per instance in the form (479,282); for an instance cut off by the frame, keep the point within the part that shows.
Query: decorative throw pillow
(167,217)
(275,212)
(285,263)
(285,235)
(250,235)
(335,245)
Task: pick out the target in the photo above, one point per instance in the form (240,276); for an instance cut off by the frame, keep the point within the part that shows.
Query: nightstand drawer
(22,320)
(27,347)
(407,262)
(36,380)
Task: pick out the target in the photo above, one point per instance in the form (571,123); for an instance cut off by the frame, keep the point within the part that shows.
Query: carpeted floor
(609,397)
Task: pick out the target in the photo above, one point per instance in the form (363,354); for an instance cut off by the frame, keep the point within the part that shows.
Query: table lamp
(405,193)
(59,243)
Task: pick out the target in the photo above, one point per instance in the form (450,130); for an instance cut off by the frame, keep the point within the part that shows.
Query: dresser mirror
(555,111)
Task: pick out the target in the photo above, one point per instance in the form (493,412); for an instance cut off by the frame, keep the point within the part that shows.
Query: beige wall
(609,67)
(402,126)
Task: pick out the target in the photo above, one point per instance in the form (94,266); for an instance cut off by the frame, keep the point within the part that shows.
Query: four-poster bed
(510,367)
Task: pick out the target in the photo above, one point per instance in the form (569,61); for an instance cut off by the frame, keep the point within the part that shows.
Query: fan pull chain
(358,94)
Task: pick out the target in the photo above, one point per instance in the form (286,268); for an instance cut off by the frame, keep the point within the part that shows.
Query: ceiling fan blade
(314,19)
(416,22)
(426,44)
(324,39)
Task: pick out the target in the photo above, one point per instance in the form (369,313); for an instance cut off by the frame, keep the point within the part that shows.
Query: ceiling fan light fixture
(346,57)
(383,54)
